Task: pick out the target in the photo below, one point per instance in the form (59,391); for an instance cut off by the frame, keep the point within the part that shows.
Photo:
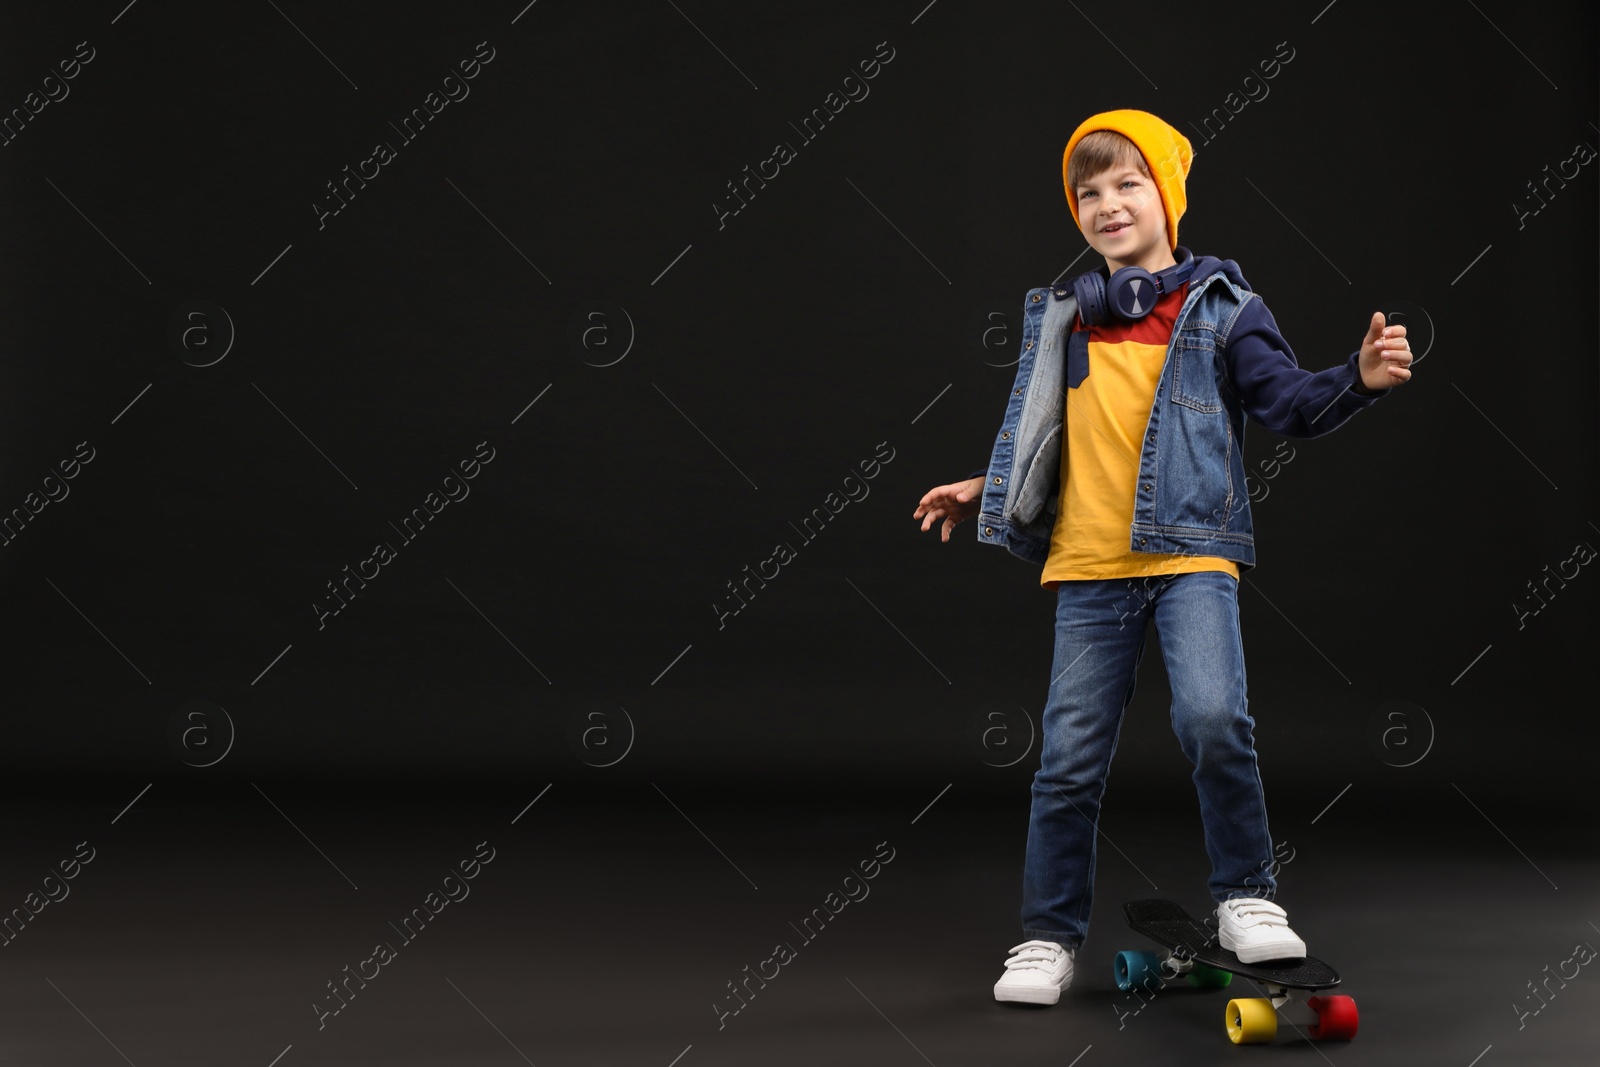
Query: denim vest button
(1005,435)
(1028,345)
(988,531)
(1035,298)
(1147,485)
(1141,540)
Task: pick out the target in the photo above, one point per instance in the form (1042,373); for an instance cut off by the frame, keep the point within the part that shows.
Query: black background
(870,293)
(795,338)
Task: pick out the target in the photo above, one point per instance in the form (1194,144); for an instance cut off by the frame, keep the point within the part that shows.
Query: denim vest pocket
(1195,373)
(1195,487)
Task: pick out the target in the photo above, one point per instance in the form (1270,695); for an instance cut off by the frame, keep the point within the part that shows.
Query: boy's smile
(1122,218)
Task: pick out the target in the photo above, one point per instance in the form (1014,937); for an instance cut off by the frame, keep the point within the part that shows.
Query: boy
(1119,466)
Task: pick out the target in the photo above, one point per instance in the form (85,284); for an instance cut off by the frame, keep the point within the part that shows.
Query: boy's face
(1121,216)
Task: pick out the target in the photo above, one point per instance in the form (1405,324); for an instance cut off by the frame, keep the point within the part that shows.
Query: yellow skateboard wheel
(1251,1021)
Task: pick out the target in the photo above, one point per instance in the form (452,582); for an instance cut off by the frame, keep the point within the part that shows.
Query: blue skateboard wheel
(1137,970)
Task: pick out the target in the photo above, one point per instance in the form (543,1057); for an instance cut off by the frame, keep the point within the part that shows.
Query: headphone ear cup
(1132,293)
(1090,291)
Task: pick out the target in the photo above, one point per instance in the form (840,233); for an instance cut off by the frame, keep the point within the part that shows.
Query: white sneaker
(1255,929)
(1036,973)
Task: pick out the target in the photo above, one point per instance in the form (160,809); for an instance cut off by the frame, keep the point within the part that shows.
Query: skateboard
(1295,989)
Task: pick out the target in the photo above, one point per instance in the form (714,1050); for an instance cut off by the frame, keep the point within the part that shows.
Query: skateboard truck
(1173,965)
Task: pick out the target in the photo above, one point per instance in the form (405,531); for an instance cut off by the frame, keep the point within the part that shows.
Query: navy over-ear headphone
(1131,292)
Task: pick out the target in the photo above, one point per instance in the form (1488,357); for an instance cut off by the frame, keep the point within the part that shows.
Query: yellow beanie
(1166,152)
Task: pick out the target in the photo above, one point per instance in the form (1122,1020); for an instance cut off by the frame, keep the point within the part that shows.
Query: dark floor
(606,930)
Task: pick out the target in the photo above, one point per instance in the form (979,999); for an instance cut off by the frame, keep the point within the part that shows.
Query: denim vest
(1190,496)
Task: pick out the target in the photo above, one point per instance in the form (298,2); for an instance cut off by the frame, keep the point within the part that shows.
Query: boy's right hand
(955,503)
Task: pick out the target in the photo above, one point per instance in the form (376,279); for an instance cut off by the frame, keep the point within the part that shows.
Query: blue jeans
(1100,636)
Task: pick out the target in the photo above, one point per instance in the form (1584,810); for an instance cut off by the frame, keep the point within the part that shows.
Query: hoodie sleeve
(1277,392)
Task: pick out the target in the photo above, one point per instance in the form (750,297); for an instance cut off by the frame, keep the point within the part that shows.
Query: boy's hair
(1100,151)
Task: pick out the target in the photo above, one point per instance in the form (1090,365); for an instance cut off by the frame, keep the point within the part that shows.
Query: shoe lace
(1039,955)
(1255,911)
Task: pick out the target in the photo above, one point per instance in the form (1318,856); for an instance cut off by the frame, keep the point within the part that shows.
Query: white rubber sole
(1033,994)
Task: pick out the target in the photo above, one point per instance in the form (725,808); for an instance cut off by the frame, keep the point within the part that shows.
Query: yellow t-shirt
(1105,420)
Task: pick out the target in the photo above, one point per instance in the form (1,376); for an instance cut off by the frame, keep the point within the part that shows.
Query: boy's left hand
(1385,355)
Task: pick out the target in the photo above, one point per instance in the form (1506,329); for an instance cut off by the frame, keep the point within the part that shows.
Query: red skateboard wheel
(1336,1018)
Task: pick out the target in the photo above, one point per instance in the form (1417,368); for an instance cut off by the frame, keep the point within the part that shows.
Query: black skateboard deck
(1170,926)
